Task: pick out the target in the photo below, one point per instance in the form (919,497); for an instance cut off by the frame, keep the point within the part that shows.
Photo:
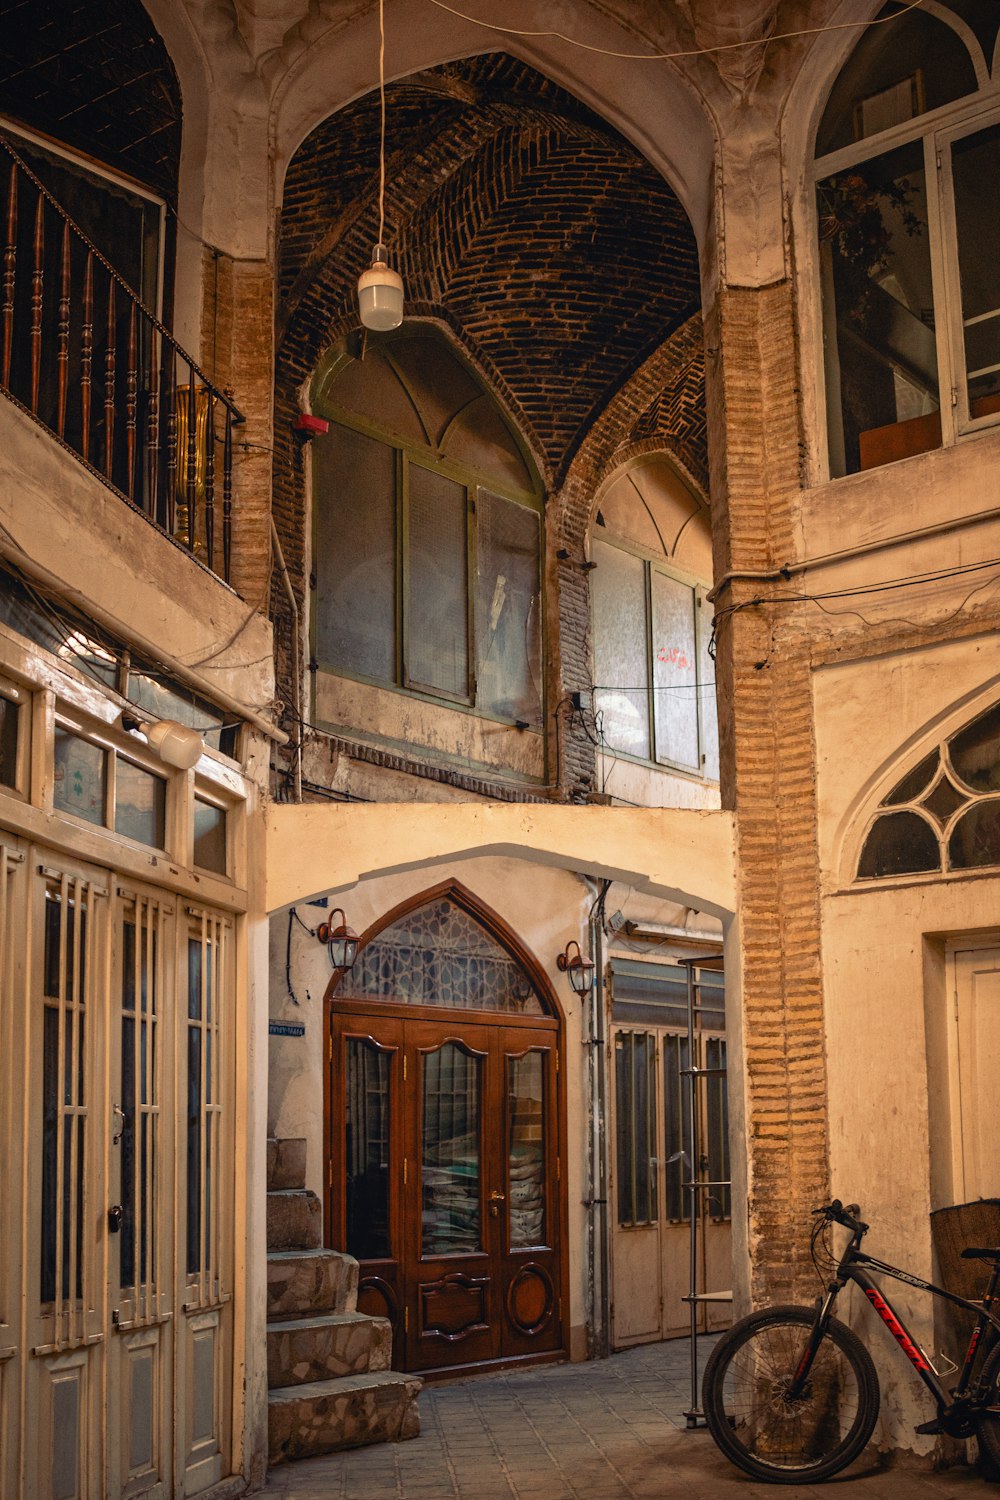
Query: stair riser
(324,1283)
(308,1427)
(286,1165)
(325,1353)
(294,1221)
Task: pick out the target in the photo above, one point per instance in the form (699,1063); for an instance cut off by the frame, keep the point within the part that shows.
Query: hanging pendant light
(380,288)
(380,294)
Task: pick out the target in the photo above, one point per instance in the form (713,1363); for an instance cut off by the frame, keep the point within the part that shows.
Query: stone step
(294,1220)
(302,1350)
(286,1165)
(305,1420)
(302,1283)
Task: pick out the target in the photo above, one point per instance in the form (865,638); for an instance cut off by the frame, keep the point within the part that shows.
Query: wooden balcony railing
(83,354)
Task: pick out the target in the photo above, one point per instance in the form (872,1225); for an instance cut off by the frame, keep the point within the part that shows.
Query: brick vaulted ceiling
(556,253)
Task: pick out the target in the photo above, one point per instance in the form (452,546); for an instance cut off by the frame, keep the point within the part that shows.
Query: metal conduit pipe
(599,1232)
(848,554)
(296,663)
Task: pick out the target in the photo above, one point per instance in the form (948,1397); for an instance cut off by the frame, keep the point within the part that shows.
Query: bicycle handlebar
(837,1213)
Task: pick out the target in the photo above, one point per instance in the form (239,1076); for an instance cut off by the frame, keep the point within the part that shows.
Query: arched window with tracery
(943,816)
(427,532)
(909,235)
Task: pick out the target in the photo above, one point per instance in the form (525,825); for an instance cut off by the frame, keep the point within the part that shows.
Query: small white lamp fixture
(380,294)
(579,969)
(380,289)
(174,743)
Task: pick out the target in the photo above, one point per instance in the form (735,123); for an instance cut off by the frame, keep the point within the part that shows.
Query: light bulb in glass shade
(380,294)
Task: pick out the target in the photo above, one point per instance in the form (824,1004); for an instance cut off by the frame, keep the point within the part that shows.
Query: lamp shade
(380,294)
(175,744)
(580,970)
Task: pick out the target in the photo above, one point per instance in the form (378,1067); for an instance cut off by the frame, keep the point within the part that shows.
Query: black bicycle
(791,1395)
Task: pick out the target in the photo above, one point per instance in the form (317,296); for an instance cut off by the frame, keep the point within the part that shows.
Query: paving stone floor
(612,1429)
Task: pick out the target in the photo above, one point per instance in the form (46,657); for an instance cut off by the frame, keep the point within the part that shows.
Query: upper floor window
(427,540)
(944,814)
(654,680)
(909,241)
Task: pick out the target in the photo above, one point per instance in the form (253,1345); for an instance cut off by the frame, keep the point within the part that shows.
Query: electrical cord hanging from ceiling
(780,36)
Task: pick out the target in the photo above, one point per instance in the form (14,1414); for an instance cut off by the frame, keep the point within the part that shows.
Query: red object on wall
(311,426)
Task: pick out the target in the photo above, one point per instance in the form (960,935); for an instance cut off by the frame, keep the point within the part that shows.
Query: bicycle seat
(980,1252)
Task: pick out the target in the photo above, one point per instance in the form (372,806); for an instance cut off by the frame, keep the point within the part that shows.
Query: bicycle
(790,1394)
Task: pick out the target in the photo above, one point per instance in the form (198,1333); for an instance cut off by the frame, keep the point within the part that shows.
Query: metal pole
(694,1412)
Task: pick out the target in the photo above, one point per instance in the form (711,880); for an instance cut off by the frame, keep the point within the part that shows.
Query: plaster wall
(883,951)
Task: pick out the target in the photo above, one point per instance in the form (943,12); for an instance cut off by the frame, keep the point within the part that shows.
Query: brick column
(238,344)
(769,778)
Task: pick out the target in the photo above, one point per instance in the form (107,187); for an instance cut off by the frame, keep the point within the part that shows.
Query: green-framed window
(427,532)
(654,680)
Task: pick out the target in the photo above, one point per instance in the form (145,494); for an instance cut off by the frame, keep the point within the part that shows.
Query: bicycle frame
(853,1266)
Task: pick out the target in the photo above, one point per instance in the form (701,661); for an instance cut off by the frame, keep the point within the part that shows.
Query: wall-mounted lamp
(341,941)
(174,743)
(579,969)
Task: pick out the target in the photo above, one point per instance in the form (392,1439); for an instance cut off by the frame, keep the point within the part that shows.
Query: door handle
(495,1201)
(119,1115)
(115,1216)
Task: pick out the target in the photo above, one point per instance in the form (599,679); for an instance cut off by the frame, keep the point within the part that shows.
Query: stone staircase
(327,1364)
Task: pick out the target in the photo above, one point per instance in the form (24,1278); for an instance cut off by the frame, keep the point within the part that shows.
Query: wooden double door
(445,1180)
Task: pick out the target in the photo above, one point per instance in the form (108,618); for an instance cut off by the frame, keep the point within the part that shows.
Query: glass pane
(975,752)
(944,800)
(895,72)
(975,840)
(451,1215)
(480,439)
(677,1136)
(367,1142)
(439,955)
(9,714)
(210,837)
(706,694)
(636,1145)
(882,380)
(508,610)
(975,161)
(81,777)
(621,664)
(64,1102)
(914,782)
(193,1175)
(899,844)
(526,1149)
(372,389)
(438,383)
(437,597)
(140,804)
(354,502)
(127,1148)
(719,1204)
(675,672)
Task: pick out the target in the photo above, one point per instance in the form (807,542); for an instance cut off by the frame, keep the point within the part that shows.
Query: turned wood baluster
(131,389)
(192,457)
(86,354)
(9,268)
(170,401)
(210,479)
(62,351)
(37,284)
(109,384)
(153,425)
(227,494)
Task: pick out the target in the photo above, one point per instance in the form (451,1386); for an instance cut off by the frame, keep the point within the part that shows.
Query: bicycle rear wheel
(989,1426)
(767,1433)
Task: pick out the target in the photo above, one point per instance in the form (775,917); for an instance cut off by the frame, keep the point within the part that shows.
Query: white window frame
(938,130)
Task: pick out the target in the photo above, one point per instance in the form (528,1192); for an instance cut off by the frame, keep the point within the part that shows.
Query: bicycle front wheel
(772,1434)
(989,1423)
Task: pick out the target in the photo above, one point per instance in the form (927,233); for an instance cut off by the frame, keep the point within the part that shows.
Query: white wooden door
(65,1246)
(651,1265)
(141,1224)
(975,1055)
(13,1096)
